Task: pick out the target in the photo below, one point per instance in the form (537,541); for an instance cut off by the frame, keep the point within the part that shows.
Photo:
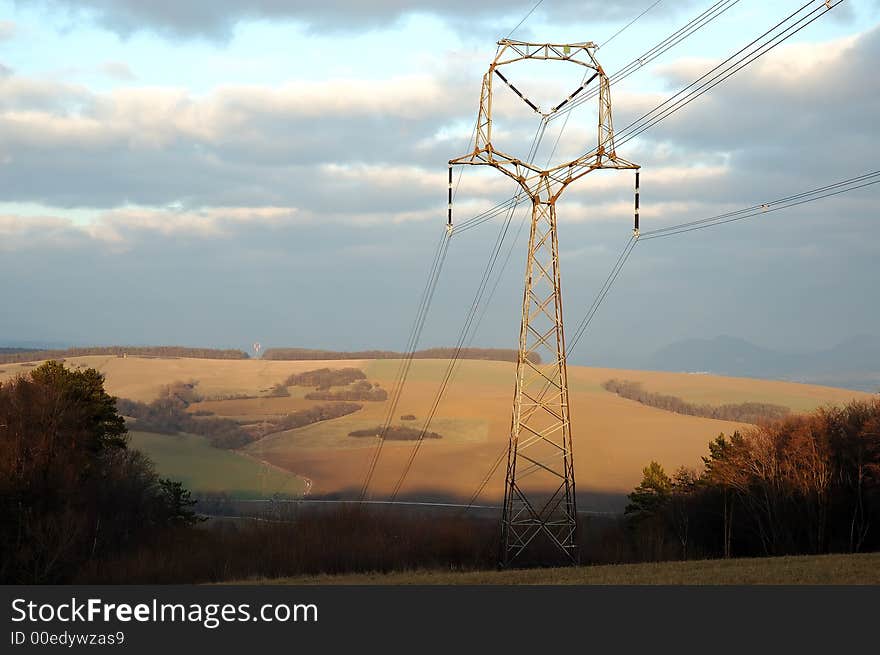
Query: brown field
(141,378)
(614,438)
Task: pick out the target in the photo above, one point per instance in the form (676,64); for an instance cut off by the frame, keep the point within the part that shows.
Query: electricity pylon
(539,490)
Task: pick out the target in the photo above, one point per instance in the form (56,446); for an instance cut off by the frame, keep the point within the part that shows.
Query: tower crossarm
(510,51)
(549,182)
(527,175)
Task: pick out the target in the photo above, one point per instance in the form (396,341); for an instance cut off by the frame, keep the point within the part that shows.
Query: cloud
(8,30)
(66,146)
(216,19)
(373,152)
(121,228)
(117,70)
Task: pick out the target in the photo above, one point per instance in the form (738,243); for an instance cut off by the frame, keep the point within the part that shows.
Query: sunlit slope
(614,438)
(141,378)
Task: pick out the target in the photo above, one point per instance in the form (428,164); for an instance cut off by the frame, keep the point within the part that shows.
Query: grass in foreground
(804,570)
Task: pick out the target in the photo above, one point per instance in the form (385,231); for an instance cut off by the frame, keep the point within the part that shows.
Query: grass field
(190,459)
(614,438)
(822,569)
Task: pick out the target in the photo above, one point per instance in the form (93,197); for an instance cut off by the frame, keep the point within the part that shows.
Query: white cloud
(117,70)
(119,228)
(7,30)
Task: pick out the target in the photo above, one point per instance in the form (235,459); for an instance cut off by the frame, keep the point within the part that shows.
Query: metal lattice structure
(539,492)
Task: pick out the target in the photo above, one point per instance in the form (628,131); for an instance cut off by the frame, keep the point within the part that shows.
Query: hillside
(861,569)
(854,363)
(614,438)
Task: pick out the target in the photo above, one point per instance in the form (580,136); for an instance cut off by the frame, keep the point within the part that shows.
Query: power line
(773,40)
(627,26)
(695,24)
(600,296)
(757,48)
(828,191)
(769,40)
(603,293)
(812,195)
(525,18)
(421,315)
(469,329)
(692,26)
(508,207)
(650,119)
(406,362)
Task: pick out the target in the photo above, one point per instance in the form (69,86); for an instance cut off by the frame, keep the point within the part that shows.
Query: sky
(219,173)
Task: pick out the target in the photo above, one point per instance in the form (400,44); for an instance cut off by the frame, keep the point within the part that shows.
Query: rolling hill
(854,363)
(614,438)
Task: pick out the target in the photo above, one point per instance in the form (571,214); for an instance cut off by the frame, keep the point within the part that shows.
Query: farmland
(614,438)
(189,458)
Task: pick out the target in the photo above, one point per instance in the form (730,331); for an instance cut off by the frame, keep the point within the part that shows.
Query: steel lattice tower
(539,492)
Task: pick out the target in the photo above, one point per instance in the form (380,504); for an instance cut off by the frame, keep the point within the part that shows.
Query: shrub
(396,433)
(325,378)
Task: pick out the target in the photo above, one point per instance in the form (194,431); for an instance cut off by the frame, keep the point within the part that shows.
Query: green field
(820,569)
(192,460)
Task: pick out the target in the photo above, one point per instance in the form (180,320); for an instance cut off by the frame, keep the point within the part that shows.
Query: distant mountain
(852,364)
(19,345)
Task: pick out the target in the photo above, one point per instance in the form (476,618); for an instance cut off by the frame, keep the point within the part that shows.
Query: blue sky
(224,172)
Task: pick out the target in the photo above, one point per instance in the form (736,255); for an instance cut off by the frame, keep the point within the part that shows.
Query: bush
(279,391)
(396,433)
(326,378)
(370,394)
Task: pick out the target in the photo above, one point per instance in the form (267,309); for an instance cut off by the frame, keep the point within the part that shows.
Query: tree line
(355,386)
(805,484)
(168,414)
(738,412)
(71,491)
(121,351)
(491,354)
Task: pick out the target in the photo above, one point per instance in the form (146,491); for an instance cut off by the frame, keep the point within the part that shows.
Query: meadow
(614,438)
(190,459)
